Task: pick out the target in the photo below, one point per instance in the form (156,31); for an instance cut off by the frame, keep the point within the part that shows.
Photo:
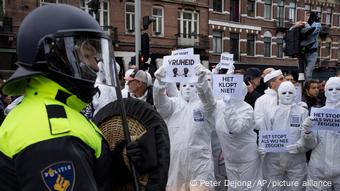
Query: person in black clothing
(310,97)
(253,79)
(310,94)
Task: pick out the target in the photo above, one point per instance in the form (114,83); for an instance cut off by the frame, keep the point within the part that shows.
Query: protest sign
(180,68)
(182,52)
(325,119)
(227,84)
(274,141)
(226,60)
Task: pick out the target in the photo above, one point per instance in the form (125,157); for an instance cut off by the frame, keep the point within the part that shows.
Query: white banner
(325,119)
(227,84)
(181,68)
(182,52)
(274,141)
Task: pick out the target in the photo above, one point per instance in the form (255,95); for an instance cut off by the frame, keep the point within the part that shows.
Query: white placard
(180,68)
(274,141)
(325,119)
(182,52)
(227,84)
(226,60)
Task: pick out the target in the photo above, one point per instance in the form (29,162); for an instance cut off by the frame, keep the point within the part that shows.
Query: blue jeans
(310,61)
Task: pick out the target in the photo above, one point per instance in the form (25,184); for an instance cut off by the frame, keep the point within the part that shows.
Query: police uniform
(47,144)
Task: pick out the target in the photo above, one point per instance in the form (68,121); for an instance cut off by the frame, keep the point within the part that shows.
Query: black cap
(253,72)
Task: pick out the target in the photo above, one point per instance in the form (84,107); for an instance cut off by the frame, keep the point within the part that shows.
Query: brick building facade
(251,29)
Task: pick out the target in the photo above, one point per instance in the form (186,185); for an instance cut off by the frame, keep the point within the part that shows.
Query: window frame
(222,6)
(251,12)
(267,6)
(292,11)
(130,29)
(216,42)
(101,13)
(251,42)
(236,53)
(328,16)
(155,24)
(192,25)
(42,2)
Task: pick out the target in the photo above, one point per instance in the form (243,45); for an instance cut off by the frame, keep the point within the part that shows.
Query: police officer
(46,144)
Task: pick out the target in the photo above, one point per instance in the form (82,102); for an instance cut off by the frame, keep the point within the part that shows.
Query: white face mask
(188,91)
(286,93)
(333,93)
(287,98)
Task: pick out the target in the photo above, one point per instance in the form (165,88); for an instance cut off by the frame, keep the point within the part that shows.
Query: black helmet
(67,45)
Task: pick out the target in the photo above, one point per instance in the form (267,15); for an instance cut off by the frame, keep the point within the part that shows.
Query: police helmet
(66,43)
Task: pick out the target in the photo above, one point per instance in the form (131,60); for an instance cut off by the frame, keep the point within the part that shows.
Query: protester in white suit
(324,164)
(287,166)
(264,104)
(187,117)
(235,130)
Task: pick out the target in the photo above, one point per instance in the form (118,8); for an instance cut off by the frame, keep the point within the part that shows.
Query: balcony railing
(5,24)
(192,40)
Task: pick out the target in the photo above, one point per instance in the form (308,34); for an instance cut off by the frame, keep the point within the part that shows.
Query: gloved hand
(292,149)
(143,152)
(307,125)
(134,152)
(261,151)
(200,72)
(160,73)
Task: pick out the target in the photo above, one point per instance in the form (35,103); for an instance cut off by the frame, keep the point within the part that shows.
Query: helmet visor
(84,55)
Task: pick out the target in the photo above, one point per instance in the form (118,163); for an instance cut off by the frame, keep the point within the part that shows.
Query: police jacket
(46,144)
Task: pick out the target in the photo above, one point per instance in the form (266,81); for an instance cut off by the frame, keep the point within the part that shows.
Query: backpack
(292,40)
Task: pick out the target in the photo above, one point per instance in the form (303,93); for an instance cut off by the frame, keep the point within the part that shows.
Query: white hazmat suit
(324,164)
(235,130)
(191,163)
(288,166)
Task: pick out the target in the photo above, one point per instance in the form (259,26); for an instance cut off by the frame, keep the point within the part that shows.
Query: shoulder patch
(59,176)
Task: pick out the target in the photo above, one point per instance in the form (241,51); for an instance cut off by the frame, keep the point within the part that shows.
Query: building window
(328,15)
(338,53)
(292,11)
(235,10)
(187,22)
(45,2)
(268,9)
(234,45)
(328,46)
(130,16)
(102,15)
(279,43)
(251,8)
(218,5)
(318,11)
(308,8)
(267,44)
(157,26)
(280,13)
(250,45)
(217,41)
(2,7)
